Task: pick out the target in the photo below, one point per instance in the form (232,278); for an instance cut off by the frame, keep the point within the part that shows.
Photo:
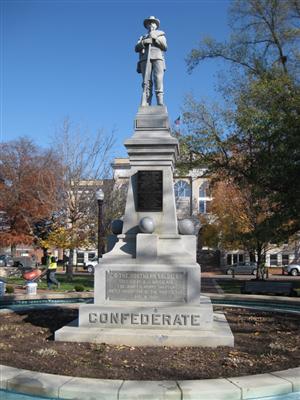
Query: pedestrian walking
(52,267)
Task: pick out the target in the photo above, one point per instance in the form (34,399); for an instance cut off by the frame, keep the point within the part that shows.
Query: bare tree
(86,159)
(114,202)
(265,36)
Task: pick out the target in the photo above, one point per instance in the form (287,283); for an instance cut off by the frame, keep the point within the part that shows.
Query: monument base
(135,315)
(219,334)
(152,324)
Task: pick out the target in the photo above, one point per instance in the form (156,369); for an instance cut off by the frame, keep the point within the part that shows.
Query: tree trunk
(13,250)
(258,264)
(44,257)
(260,272)
(69,270)
(252,256)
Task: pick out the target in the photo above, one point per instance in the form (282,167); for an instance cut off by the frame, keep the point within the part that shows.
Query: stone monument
(147,288)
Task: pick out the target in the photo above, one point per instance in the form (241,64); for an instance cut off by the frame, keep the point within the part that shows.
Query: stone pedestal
(147,288)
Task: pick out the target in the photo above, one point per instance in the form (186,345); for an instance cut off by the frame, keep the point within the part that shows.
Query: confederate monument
(147,287)
(151,61)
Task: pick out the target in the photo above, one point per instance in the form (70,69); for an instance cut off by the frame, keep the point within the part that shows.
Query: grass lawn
(234,286)
(230,286)
(297,289)
(86,281)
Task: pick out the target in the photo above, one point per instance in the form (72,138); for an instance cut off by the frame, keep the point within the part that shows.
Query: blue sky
(76,59)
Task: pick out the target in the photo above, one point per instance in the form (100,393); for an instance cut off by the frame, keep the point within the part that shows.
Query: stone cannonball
(186,227)
(117,226)
(147,225)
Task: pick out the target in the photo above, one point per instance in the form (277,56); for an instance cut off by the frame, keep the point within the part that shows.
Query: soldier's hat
(151,19)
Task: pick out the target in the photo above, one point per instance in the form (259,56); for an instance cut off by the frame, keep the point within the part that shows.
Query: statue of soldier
(151,65)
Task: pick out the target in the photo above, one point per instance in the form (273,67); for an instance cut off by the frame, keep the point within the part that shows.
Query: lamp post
(100,198)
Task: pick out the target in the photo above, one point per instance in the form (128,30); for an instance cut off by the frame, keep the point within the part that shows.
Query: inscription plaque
(146,286)
(155,123)
(149,190)
(139,319)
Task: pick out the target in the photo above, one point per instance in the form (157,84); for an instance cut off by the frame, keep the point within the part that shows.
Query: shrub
(10,289)
(79,288)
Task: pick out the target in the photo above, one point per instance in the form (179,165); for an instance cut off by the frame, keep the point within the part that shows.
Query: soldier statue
(151,65)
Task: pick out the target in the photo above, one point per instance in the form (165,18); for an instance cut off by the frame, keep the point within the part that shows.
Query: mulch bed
(264,342)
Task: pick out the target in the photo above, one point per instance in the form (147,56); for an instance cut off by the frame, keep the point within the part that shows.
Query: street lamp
(100,198)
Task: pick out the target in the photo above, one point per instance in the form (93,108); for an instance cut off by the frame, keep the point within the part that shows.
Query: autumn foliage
(30,180)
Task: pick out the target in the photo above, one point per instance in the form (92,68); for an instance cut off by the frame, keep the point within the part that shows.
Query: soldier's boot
(160,99)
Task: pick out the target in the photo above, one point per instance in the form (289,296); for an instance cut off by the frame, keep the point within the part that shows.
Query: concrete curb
(7,299)
(239,388)
(66,387)
(265,298)
(12,298)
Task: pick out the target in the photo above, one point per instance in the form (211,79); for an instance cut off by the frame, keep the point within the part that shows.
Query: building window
(91,256)
(80,257)
(204,199)
(285,259)
(202,206)
(273,259)
(241,259)
(203,190)
(182,189)
(233,258)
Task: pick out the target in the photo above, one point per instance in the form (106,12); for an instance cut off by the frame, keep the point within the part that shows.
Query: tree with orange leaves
(250,139)
(241,219)
(30,180)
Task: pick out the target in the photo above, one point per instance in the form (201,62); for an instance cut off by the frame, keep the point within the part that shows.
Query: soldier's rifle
(146,77)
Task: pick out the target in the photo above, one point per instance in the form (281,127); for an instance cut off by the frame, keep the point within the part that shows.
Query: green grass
(234,286)
(297,285)
(297,290)
(86,281)
(230,286)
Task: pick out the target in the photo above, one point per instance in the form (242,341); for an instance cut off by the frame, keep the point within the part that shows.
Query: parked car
(6,260)
(24,262)
(245,268)
(90,265)
(292,269)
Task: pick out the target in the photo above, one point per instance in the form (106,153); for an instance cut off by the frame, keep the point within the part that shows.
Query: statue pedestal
(147,288)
